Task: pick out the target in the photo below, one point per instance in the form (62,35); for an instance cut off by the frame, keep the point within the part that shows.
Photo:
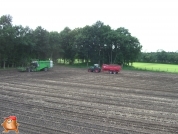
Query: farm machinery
(111,68)
(96,68)
(37,65)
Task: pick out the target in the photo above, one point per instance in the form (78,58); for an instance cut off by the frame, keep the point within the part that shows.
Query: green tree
(84,43)
(128,46)
(55,49)
(72,45)
(41,43)
(111,41)
(24,45)
(161,56)
(6,38)
(64,41)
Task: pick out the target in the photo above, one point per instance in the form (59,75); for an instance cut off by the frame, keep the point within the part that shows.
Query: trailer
(111,68)
(37,65)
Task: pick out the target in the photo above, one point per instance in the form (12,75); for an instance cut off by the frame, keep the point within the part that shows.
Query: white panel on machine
(51,63)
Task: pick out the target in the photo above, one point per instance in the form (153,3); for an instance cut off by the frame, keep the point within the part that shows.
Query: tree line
(160,56)
(97,43)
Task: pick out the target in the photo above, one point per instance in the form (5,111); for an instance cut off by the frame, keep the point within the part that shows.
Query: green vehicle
(37,65)
(96,68)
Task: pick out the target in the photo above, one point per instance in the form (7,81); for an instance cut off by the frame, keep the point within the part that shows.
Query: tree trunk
(87,62)
(109,57)
(4,64)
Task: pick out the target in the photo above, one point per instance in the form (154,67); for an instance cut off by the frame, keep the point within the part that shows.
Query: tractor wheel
(96,71)
(28,70)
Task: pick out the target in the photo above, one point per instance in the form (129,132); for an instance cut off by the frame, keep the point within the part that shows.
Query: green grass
(8,68)
(155,67)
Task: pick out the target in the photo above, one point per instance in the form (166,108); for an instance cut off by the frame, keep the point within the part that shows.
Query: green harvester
(37,65)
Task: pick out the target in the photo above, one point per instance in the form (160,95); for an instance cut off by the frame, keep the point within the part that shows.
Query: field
(72,101)
(156,67)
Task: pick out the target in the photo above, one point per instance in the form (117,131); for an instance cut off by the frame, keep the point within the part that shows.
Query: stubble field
(73,101)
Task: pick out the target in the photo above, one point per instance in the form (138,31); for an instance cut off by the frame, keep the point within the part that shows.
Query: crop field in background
(67,100)
(156,67)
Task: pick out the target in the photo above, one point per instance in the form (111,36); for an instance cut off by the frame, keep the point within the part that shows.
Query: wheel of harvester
(45,69)
(28,69)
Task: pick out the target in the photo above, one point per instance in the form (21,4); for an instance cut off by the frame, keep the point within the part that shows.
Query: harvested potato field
(67,100)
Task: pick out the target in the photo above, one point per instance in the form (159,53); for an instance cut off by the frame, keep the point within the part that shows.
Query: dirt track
(73,101)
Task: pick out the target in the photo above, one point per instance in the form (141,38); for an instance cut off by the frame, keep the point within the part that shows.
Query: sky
(153,22)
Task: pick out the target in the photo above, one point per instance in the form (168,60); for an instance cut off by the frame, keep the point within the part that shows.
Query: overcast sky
(153,22)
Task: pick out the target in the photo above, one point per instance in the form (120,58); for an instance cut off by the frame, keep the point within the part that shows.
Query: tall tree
(24,43)
(6,38)
(55,49)
(64,41)
(129,46)
(42,43)
(72,45)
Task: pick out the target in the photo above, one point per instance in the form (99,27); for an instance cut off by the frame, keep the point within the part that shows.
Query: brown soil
(74,101)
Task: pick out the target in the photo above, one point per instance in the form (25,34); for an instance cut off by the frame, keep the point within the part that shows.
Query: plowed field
(74,101)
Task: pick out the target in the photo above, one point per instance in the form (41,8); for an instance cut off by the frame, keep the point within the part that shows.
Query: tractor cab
(34,64)
(96,68)
(96,65)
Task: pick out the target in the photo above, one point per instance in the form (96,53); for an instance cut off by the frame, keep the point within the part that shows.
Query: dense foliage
(97,43)
(160,56)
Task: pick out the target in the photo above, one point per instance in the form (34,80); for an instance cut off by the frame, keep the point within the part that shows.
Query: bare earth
(73,101)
